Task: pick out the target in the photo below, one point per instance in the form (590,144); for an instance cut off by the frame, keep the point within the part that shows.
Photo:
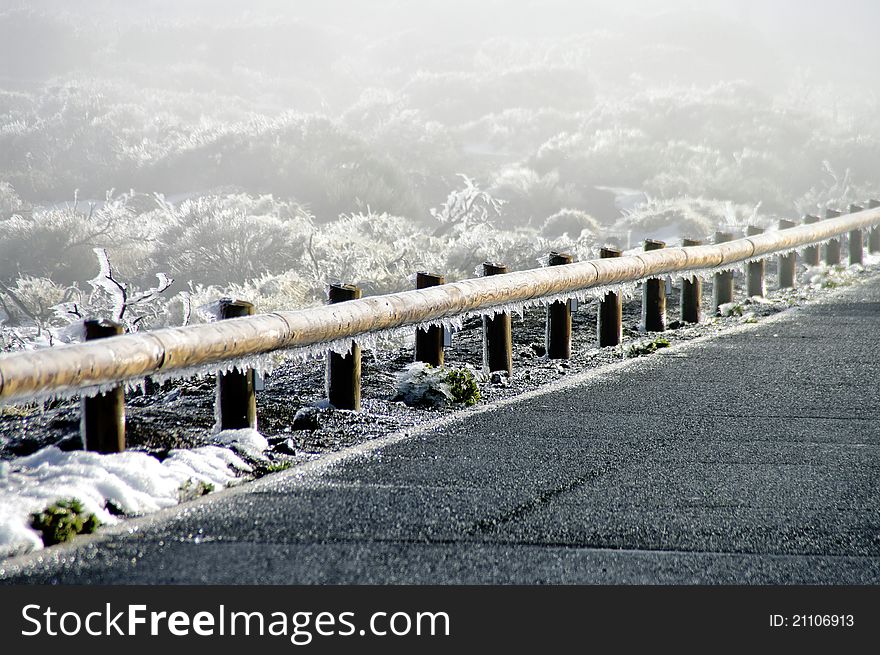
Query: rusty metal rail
(175,350)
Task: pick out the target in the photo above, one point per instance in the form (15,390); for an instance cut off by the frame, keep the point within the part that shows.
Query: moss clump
(463,386)
(63,520)
(648,347)
(424,385)
(193,488)
(275,467)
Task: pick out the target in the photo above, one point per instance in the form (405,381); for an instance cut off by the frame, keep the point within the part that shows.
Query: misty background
(263,149)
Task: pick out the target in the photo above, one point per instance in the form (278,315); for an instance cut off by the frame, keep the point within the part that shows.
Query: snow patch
(248,442)
(130,483)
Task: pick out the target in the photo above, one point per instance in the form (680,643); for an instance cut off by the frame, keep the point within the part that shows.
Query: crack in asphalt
(490,525)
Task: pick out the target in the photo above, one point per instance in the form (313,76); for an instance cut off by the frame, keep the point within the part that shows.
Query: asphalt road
(752,457)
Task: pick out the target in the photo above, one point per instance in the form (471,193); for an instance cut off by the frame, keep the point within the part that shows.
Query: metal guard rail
(165,351)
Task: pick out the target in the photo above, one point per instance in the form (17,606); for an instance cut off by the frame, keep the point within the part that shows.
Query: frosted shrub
(836,190)
(675,218)
(571,223)
(423,384)
(116,300)
(467,207)
(285,291)
(376,251)
(529,195)
(58,243)
(222,240)
(33,298)
(9,200)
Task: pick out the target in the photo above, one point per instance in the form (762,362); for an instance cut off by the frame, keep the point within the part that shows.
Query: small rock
(173,395)
(539,349)
(560,369)
(70,443)
(675,325)
(306,418)
(500,378)
(285,447)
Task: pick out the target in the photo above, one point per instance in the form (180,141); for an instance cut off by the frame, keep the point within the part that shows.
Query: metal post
(722,282)
(691,291)
(558,332)
(810,254)
(344,371)
(654,297)
(102,422)
(856,245)
(754,270)
(236,400)
(429,343)
(874,234)
(610,318)
(832,247)
(497,342)
(786,264)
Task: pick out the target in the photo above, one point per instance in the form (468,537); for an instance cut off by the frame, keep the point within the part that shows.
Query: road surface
(751,457)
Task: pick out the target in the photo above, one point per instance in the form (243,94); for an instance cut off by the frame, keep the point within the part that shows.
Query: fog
(262,149)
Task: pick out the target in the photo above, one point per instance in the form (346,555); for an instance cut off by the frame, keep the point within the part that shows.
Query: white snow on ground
(134,482)
(250,443)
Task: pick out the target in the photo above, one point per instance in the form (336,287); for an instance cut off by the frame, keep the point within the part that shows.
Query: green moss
(648,347)
(63,520)
(276,467)
(193,488)
(733,309)
(463,386)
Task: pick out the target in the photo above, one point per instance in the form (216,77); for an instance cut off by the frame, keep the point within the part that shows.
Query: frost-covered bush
(33,298)
(835,191)
(466,207)
(378,252)
(38,312)
(643,348)
(118,301)
(57,242)
(571,223)
(529,195)
(227,239)
(10,203)
(284,291)
(457,97)
(684,217)
(423,384)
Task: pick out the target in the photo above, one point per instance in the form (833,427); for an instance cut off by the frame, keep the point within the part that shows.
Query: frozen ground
(173,455)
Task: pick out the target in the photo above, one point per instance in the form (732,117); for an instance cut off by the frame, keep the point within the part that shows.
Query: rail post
(497,342)
(429,342)
(236,400)
(874,234)
(856,244)
(722,281)
(558,332)
(754,270)
(691,291)
(102,421)
(654,297)
(810,254)
(609,321)
(786,264)
(832,247)
(344,370)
